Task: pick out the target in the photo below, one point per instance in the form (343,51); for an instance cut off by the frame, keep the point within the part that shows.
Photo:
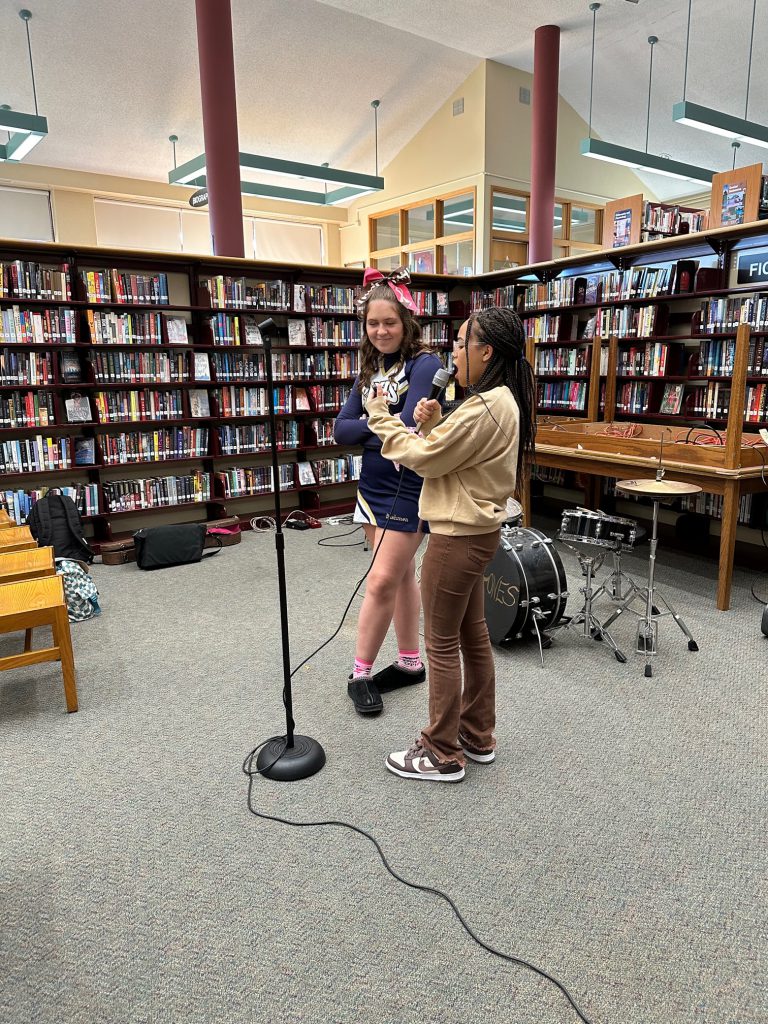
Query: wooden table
(581,448)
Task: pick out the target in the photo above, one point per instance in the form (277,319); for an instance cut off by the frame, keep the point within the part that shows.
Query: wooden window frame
(565,243)
(436,244)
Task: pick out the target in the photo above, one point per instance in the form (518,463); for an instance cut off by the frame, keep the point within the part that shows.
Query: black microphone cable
(251,772)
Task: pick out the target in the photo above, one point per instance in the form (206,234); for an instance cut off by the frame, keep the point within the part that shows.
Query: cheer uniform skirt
(377,487)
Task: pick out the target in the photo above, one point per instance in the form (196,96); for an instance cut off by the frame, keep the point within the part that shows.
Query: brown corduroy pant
(452,596)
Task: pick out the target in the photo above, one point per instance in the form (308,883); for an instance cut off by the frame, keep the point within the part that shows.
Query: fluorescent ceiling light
(718,123)
(636,158)
(25,131)
(351,185)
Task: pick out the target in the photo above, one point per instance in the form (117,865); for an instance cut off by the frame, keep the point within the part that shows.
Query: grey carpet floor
(618,841)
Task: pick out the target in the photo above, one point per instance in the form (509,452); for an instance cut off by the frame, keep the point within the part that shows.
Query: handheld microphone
(440,382)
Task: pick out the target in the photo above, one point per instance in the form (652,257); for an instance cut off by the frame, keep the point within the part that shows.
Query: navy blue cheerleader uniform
(379,477)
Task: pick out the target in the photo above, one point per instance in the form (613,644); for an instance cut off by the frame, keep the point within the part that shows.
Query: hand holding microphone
(426,408)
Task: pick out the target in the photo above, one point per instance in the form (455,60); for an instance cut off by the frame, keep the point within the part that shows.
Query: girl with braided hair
(470,462)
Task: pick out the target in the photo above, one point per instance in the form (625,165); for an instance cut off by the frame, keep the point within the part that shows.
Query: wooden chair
(26,565)
(16,538)
(39,602)
(5,520)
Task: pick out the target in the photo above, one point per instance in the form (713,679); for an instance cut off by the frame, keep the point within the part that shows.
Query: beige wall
(488,145)
(508,144)
(445,156)
(73,194)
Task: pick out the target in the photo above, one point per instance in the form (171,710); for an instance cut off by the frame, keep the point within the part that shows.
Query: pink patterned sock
(410,660)
(361,668)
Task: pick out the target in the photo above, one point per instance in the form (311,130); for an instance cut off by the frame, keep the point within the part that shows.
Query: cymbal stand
(648,624)
(592,628)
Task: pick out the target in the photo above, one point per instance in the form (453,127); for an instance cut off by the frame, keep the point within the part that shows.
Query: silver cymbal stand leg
(648,625)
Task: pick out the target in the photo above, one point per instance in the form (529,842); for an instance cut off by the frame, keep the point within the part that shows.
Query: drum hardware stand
(613,584)
(648,624)
(593,630)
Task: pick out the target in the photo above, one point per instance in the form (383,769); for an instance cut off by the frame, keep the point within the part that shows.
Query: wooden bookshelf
(169,425)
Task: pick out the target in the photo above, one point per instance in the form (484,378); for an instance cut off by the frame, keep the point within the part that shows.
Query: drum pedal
(647,637)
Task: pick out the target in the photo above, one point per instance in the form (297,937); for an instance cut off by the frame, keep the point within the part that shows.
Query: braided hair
(502,329)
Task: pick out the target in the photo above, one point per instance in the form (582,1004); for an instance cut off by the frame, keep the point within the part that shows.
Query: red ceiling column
(217,90)
(546,75)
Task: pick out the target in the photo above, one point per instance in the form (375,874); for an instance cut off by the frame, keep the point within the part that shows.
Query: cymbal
(657,488)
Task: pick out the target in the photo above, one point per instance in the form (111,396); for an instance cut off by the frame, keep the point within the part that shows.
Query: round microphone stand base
(304,758)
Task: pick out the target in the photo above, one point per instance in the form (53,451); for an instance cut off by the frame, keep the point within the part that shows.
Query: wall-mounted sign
(199,198)
(752,267)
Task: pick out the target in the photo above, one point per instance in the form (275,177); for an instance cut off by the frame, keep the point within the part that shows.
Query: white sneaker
(419,763)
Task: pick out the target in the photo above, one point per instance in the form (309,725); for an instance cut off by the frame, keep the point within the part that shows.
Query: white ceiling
(116,77)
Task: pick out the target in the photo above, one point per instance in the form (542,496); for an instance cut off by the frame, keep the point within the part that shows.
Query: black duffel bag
(164,546)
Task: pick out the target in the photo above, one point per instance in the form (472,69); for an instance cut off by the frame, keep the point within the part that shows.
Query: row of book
(26,279)
(225,292)
(718,315)
(627,321)
(337,471)
(180,442)
(36,454)
(119,286)
(716,358)
(146,404)
(156,491)
(664,219)
(502,296)
(551,327)
(571,395)
(139,367)
(650,360)
(252,401)
(136,328)
(38,326)
(633,398)
(243,481)
(25,367)
(18,503)
(562,361)
(334,332)
(642,282)
(26,409)
(712,505)
(252,438)
(297,365)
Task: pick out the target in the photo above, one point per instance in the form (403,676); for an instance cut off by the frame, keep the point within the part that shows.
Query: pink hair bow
(398,281)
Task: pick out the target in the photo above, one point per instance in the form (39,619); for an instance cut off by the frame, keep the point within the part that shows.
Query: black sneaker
(478,754)
(395,676)
(364,695)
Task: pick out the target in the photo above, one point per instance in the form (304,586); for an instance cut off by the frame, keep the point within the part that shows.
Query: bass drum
(525,573)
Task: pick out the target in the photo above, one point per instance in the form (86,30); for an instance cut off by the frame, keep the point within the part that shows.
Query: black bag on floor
(164,546)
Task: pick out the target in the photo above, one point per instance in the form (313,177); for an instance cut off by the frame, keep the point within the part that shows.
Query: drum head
(525,572)
(502,581)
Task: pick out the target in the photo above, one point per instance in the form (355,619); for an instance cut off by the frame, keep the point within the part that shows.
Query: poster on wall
(732,208)
(622,228)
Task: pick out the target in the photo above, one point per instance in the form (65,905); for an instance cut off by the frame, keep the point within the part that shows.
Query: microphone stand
(284,758)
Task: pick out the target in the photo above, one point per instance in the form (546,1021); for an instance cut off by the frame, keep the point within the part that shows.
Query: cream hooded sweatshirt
(468,460)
